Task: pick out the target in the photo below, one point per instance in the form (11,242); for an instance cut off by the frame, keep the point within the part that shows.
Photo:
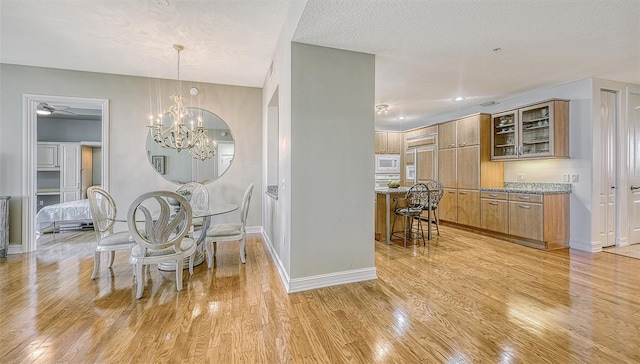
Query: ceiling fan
(46,109)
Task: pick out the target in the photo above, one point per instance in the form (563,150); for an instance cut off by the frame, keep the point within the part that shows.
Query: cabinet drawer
(494,215)
(494,195)
(525,197)
(525,220)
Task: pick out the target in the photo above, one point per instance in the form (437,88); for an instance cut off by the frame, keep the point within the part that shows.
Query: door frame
(624,241)
(29,154)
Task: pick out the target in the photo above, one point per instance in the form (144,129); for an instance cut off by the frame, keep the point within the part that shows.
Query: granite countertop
(389,191)
(272,191)
(532,188)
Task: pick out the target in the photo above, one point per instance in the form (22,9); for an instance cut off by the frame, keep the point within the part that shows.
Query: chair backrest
(417,195)
(246,199)
(103,211)
(197,195)
(163,227)
(436,191)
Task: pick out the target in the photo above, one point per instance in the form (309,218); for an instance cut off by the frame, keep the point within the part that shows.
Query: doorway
(67,109)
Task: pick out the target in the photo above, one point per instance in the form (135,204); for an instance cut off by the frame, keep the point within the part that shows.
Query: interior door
(634,167)
(86,177)
(607,198)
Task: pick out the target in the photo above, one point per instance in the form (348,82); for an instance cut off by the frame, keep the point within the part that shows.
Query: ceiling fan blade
(64,112)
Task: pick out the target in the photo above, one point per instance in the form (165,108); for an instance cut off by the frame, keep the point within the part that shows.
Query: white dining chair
(163,237)
(198,196)
(103,213)
(229,232)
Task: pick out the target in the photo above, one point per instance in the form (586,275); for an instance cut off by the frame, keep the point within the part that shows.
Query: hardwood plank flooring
(463,298)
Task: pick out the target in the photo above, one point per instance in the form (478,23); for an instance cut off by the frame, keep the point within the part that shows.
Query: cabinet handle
(493,194)
(452,145)
(451,191)
(493,203)
(462,144)
(524,197)
(633,188)
(524,206)
(462,193)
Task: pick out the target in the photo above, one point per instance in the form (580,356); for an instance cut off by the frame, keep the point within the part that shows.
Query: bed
(74,213)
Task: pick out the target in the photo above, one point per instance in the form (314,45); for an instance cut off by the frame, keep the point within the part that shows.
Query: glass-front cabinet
(535,131)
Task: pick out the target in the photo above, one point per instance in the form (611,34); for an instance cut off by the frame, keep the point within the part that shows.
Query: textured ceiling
(226,41)
(427,52)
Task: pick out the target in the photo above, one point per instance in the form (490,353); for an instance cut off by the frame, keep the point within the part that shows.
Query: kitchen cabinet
(447,135)
(420,132)
(426,164)
(536,131)
(469,207)
(48,156)
(464,166)
(536,220)
(388,142)
(494,212)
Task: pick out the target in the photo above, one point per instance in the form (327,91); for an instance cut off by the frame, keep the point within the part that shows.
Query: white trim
(332,279)
(29,155)
(254,230)
(586,246)
(622,242)
(284,277)
(14,249)
(91,144)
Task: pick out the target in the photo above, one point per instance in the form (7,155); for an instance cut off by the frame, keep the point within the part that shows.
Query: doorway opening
(66,143)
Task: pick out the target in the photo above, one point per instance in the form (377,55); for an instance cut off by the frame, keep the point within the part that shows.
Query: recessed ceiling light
(401,117)
(459,98)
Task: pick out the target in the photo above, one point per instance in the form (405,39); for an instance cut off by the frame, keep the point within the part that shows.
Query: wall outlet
(522,177)
(574,178)
(565,178)
(41,202)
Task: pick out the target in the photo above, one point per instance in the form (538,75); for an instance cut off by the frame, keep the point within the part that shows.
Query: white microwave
(387,163)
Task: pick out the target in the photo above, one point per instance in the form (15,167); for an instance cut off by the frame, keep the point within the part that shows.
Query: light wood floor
(462,299)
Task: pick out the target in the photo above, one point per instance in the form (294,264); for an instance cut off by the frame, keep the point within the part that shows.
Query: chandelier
(178,135)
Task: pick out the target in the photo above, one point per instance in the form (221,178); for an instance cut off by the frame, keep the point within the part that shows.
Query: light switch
(284,184)
(565,178)
(522,177)
(574,178)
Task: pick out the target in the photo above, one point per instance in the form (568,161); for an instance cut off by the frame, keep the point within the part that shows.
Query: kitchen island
(384,211)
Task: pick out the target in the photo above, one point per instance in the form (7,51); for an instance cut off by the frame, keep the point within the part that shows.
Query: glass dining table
(214,208)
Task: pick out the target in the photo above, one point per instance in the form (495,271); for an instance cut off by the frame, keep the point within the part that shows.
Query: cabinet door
(468,131)
(48,156)
(70,171)
(504,135)
(394,143)
(525,220)
(408,157)
(448,206)
(381,142)
(494,215)
(426,164)
(469,167)
(469,208)
(447,135)
(536,132)
(447,167)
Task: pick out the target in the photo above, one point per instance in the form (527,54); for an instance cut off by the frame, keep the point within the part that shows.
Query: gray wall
(332,133)
(65,130)
(131,101)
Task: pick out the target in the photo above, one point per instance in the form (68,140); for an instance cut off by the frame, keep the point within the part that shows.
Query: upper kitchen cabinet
(535,131)
(388,142)
(468,131)
(447,135)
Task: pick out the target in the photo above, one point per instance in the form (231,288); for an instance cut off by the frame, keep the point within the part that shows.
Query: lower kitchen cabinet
(494,212)
(448,206)
(469,208)
(525,220)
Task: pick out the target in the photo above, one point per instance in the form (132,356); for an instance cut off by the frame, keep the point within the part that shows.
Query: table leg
(429,221)
(198,257)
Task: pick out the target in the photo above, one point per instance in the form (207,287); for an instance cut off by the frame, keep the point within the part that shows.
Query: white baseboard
(332,279)
(593,247)
(254,230)
(14,249)
(319,281)
(282,272)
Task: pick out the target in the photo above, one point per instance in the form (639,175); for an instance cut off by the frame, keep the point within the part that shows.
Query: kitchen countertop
(389,191)
(532,188)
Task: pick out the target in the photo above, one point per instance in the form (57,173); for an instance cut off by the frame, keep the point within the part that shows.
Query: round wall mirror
(181,167)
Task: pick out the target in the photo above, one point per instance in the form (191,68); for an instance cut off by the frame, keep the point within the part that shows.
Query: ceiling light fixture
(178,136)
(459,98)
(401,118)
(382,109)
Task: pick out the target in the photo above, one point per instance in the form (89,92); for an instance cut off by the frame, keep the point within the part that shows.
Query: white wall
(131,99)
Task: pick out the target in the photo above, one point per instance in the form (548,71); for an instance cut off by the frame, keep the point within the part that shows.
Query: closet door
(70,172)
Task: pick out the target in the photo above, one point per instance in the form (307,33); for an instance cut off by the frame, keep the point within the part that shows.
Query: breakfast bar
(384,211)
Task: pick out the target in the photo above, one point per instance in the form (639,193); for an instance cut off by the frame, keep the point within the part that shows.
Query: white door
(87,170)
(634,167)
(69,172)
(608,113)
